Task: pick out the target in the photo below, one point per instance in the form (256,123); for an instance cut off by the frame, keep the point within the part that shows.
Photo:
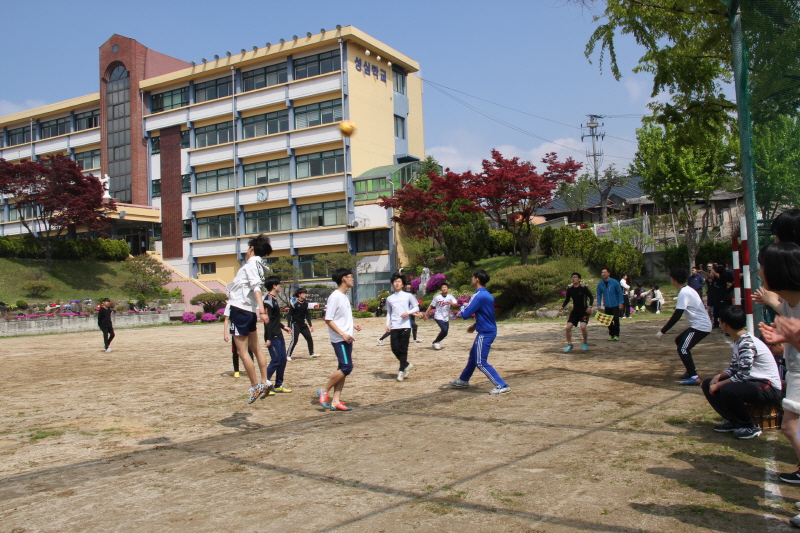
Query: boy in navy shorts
(582,301)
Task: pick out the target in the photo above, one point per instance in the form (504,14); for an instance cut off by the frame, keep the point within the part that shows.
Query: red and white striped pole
(737,276)
(748,300)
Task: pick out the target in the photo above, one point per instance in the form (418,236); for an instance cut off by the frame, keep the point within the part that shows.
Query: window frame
(24,131)
(371,189)
(318,111)
(307,64)
(336,155)
(281,118)
(155,188)
(183,101)
(304,216)
(208,268)
(207,223)
(92,155)
(371,243)
(213,131)
(205,87)
(399,127)
(213,176)
(90,118)
(398,81)
(251,177)
(155,145)
(250,77)
(62,123)
(279,215)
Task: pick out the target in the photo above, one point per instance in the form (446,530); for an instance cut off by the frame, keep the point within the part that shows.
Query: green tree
(467,235)
(285,269)
(147,274)
(677,177)
(776,154)
(575,195)
(603,183)
(430,164)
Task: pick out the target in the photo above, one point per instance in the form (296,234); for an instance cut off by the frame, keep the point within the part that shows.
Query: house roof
(626,192)
(385,170)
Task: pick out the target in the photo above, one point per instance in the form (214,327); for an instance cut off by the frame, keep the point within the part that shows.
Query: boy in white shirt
(339,318)
(699,323)
(399,308)
(441,304)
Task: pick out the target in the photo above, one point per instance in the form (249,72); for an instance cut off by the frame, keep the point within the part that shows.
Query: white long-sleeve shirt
(397,304)
(241,291)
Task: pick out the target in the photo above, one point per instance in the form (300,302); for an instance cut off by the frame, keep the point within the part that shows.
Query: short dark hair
(300,291)
(106,299)
(781,264)
(719,269)
(733,316)
(271,281)
(395,276)
(261,245)
(639,285)
(576,274)
(339,274)
(482,276)
(679,274)
(605,268)
(444,284)
(655,286)
(786,226)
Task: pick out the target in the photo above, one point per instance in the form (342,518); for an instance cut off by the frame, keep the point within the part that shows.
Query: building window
(52,128)
(2,139)
(266,172)
(316,114)
(19,136)
(399,127)
(208,268)
(118,134)
(264,77)
(320,164)
(314,266)
(16,212)
(268,220)
(371,189)
(372,241)
(399,82)
(87,160)
(186,183)
(215,180)
(171,99)
(155,145)
(322,214)
(305,67)
(87,120)
(157,231)
(155,188)
(187,229)
(216,227)
(211,90)
(213,134)
(184,138)
(265,124)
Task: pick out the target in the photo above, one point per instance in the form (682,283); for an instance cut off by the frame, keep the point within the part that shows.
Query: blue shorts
(344,353)
(243,323)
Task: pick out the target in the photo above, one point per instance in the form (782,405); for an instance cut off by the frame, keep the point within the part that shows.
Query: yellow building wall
(414,124)
(227,266)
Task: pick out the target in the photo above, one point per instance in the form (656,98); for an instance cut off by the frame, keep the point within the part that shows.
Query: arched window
(118,133)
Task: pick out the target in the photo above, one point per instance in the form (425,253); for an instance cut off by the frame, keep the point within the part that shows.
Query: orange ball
(347,128)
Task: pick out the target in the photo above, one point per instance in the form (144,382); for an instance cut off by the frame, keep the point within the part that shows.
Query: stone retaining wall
(71,324)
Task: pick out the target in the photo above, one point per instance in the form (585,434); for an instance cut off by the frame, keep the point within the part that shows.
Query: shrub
(362,306)
(22,304)
(199,315)
(415,284)
(501,242)
(362,314)
(211,301)
(36,288)
(435,282)
(176,294)
(370,304)
(531,284)
(208,317)
(189,318)
(709,252)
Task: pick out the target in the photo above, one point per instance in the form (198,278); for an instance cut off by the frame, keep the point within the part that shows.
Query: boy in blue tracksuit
(609,294)
(481,306)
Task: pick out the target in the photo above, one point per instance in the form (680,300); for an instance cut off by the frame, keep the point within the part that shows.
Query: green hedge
(621,259)
(96,249)
(709,252)
(533,284)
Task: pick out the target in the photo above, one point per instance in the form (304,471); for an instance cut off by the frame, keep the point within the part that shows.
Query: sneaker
(323,398)
(793,478)
(340,407)
(726,427)
(694,380)
(380,342)
(418,340)
(408,370)
(795,520)
(500,390)
(568,348)
(109,350)
(616,338)
(313,355)
(658,312)
(459,384)
(288,359)
(685,375)
(281,389)
(436,346)
(585,347)
(400,376)
(797,505)
(236,374)
(747,433)
(255,393)
(266,389)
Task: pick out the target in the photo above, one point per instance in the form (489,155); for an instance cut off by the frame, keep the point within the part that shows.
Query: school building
(202,156)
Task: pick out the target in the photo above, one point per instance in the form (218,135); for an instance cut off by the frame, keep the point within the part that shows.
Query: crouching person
(752,378)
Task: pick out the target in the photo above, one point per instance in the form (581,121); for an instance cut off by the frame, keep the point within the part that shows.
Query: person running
(399,308)
(339,318)
(699,324)
(481,306)
(582,301)
(226,330)
(247,307)
(441,305)
(297,317)
(273,334)
(106,326)
(609,293)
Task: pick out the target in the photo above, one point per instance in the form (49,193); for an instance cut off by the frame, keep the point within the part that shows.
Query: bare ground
(157,436)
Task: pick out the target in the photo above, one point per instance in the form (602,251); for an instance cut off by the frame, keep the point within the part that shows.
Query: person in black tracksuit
(273,334)
(297,317)
(106,326)
(582,301)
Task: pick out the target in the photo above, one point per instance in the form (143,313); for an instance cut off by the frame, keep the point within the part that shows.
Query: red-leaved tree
(53,196)
(510,192)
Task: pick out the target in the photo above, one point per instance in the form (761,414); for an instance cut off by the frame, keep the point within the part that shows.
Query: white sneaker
(459,384)
(500,390)
(288,358)
(109,350)
(380,342)
(408,370)
(418,340)
(658,312)
(314,355)
(436,346)
(400,376)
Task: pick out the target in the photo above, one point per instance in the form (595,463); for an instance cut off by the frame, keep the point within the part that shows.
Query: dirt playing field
(157,436)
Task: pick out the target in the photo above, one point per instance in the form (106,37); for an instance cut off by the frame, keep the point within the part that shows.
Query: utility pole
(595,154)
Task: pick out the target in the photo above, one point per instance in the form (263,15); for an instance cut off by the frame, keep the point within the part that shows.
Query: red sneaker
(323,398)
(340,407)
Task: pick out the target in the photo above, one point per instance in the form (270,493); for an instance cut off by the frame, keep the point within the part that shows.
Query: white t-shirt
(442,306)
(790,353)
(338,309)
(397,304)
(695,311)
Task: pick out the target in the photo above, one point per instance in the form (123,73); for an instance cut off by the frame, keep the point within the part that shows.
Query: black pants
(297,330)
(412,318)
(730,399)
(717,309)
(626,302)
(400,339)
(108,335)
(236,356)
(613,329)
(685,342)
(638,301)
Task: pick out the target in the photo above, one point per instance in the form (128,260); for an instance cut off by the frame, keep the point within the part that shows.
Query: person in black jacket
(106,326)
(297,317)
(582,301)
(273,334)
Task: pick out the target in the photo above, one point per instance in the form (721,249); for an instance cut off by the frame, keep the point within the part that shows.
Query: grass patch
(38,434)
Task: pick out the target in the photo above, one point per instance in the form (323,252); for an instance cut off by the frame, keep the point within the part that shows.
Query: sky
(525,55)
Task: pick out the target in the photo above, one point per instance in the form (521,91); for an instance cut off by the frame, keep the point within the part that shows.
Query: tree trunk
(690,235)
